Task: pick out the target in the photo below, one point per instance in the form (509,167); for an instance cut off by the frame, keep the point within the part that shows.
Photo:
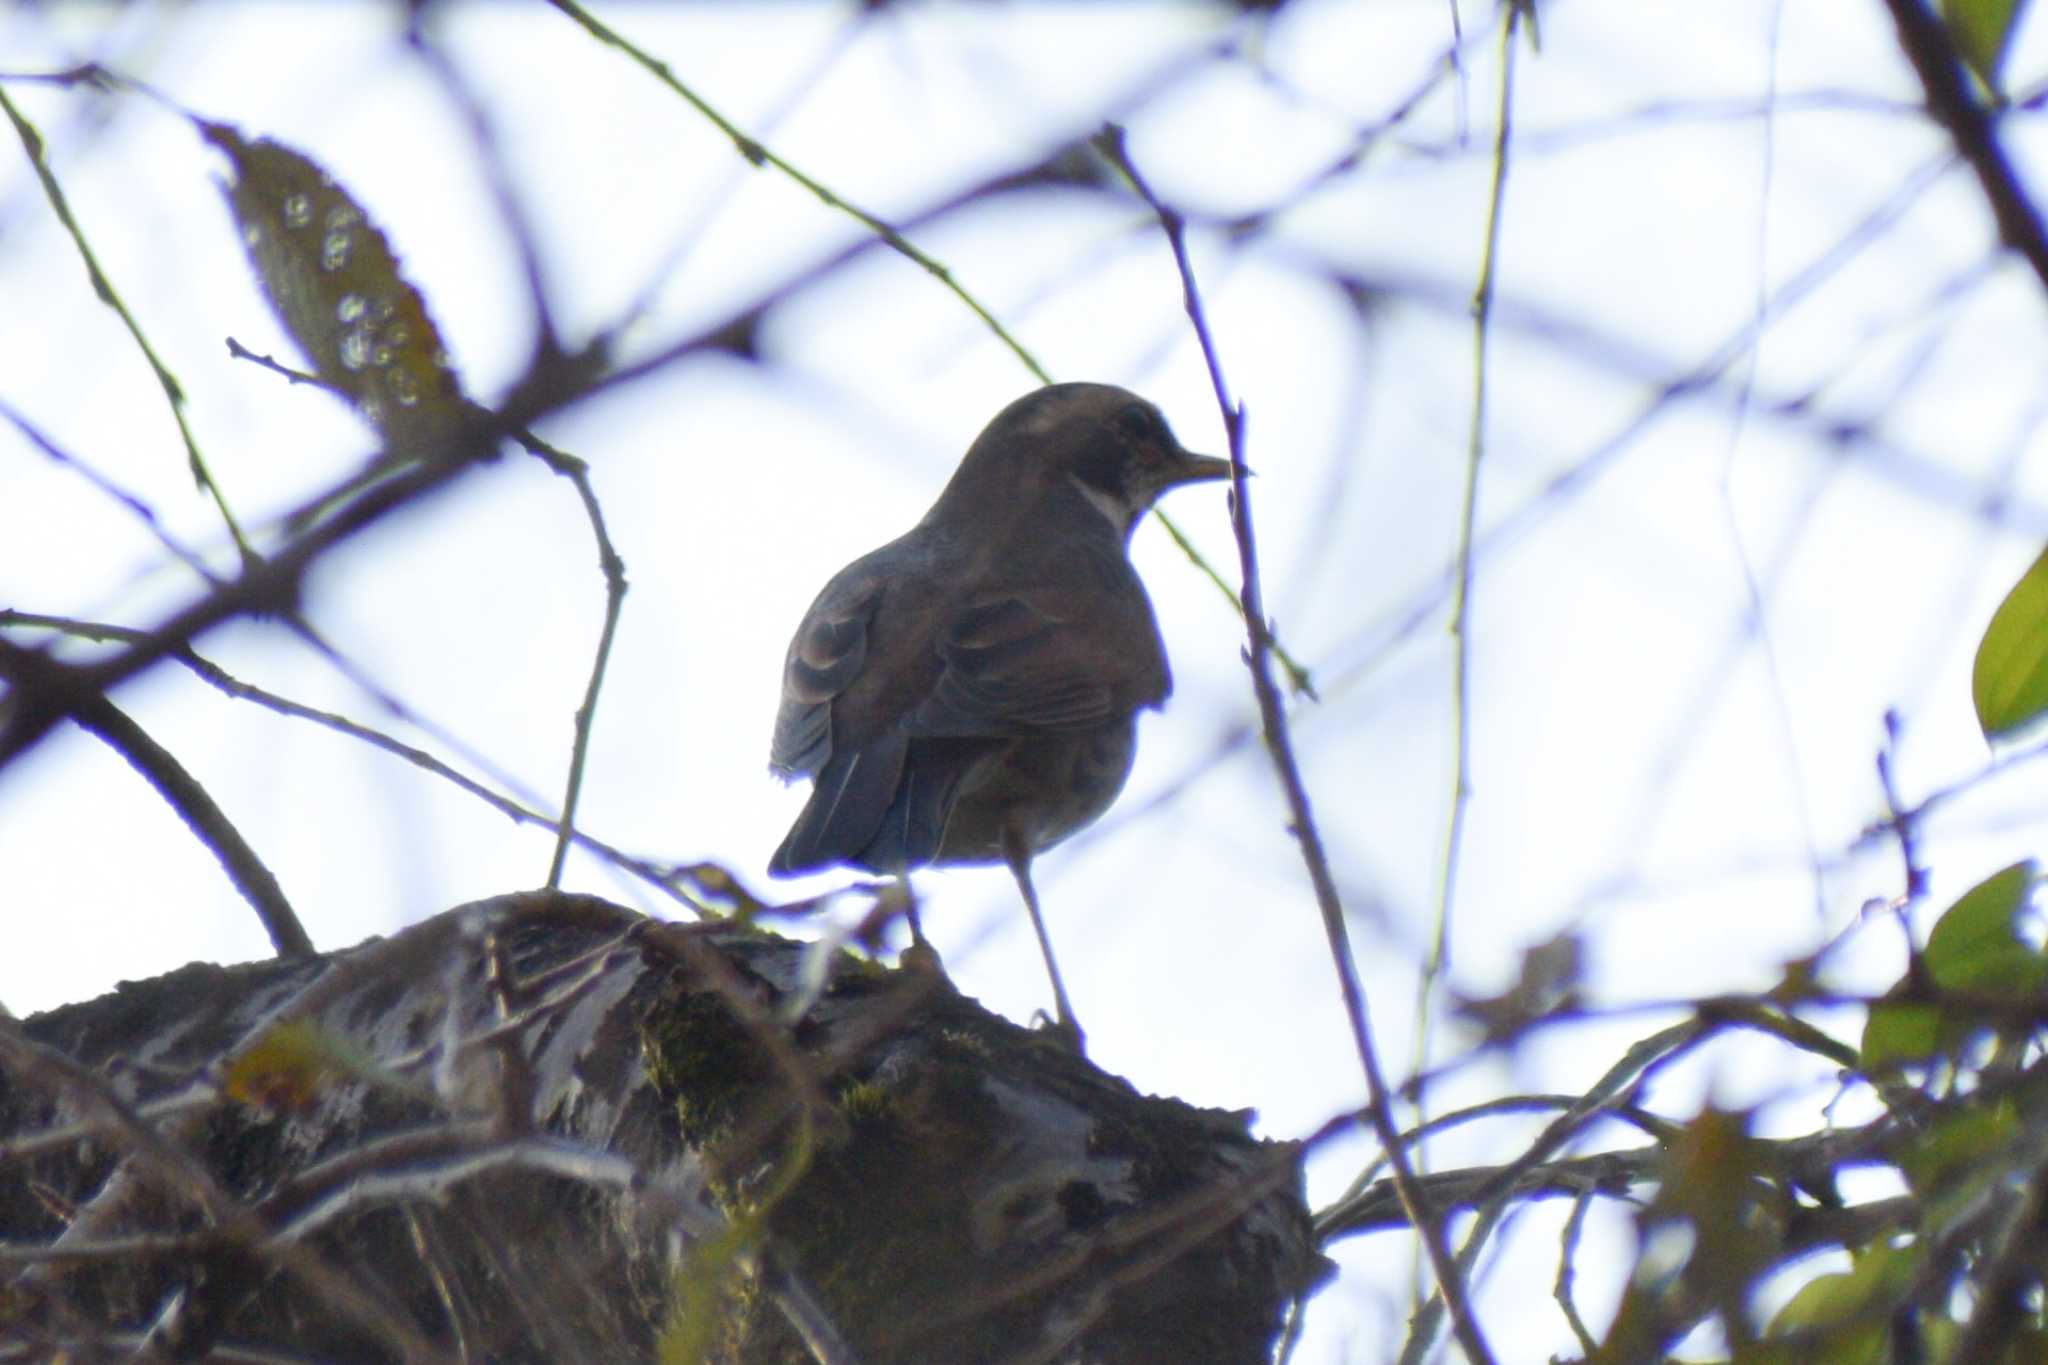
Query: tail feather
(853,795)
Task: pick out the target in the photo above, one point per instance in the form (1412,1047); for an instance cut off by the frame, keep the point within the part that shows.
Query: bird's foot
(920,956)
(1066,1031)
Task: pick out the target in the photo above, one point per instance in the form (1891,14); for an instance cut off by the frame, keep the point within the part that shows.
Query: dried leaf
(335,284)
(287,1070)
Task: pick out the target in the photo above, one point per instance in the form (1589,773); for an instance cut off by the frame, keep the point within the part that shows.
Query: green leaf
(1971,951)
(2009,682)
(1960,1143)
(1713,1184)
(1897,1033)
(1982,30)
(1972,947)
(1846,1317)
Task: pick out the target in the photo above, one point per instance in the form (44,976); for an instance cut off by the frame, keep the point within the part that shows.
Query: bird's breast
(1045,787)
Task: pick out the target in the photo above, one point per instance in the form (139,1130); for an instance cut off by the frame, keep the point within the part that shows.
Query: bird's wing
(855,791)
(1023,662)
(824,659)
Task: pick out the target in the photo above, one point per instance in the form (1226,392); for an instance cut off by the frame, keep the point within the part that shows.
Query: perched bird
(969,692)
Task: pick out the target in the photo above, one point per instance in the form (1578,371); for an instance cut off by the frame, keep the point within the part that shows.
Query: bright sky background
(1651,767)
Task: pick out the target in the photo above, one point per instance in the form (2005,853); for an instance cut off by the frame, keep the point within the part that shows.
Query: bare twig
(1568,1268)
(483,137)
(26,671)
(1615,1175)
(1642,1119)
(278,367)
(1468,518)
(263,587)
(614,568)
(1610,1091)
(1438,962)
(1932,51)
(758,154)
(1302,821)
(660,877)
(141,510)
(103,288)
(1902,821)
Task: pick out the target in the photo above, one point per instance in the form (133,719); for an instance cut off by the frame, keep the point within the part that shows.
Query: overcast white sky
(1650,767)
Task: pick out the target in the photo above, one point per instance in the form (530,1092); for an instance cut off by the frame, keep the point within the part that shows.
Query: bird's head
(1106,443)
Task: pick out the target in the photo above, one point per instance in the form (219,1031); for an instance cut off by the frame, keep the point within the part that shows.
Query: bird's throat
(1118,513)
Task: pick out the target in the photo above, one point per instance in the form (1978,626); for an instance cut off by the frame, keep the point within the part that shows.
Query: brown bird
(969,692)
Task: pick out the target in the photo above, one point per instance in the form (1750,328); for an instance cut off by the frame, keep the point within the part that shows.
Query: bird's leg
(1018,855)
(920,955)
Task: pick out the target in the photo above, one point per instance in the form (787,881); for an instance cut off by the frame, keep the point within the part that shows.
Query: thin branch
(183,1246)
(1610,1091)
(1696,379)
(140,509)
(1299,680)
(425,1165)
(490,156)
(1904,822)
(1468,511)
(1651,115)
(1568,1269)
(614,568)
(1756,597)
(240,352)
(1508,1105)
(200,1094)
(1422,1327)
(1615,1175)
(27,670)
(660,877)
(758,154)
(797,85)
(263,587)
(174,392)
(303,628)
(1302,821)
(1437,964)
(1950,100)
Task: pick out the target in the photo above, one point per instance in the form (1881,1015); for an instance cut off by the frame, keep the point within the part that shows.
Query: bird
(969,692)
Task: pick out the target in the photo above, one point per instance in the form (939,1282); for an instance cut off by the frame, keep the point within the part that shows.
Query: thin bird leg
(916,921)
(1019,858)
(920,955)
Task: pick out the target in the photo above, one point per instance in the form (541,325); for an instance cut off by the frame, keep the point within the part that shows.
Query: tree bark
(542,1127)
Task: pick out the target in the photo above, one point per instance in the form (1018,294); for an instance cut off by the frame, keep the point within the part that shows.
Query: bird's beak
(1193,468)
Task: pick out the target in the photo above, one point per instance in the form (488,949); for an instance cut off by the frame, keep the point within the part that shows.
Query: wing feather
(828,653)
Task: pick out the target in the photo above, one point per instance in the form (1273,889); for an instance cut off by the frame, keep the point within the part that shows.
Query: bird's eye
(1138,421)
